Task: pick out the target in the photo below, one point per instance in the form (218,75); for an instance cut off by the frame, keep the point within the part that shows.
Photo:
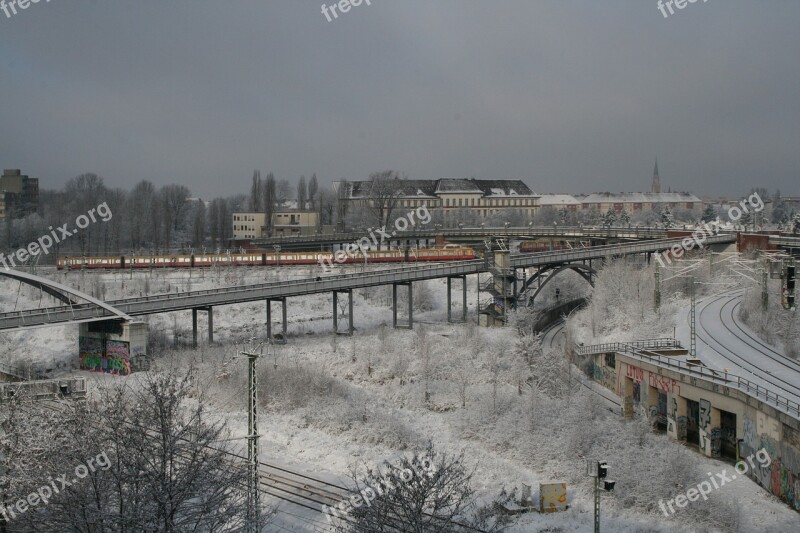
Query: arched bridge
(81,306)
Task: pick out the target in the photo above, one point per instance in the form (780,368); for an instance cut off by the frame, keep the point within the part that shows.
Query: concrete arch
(585,271)
(59,291)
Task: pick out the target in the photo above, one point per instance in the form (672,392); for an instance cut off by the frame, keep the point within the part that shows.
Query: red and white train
(265,259)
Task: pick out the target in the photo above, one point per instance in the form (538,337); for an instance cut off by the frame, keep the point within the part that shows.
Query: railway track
(550,341)
(725,316)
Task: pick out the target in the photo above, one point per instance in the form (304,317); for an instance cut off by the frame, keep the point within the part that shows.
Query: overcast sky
(570,96)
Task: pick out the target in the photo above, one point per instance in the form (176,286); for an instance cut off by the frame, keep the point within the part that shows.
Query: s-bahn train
(540,246)
(266,259)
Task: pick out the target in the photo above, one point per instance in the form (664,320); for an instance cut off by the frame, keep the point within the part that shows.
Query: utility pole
(657,290)
(693,332)
(253,482)
(596,504)
(764,290)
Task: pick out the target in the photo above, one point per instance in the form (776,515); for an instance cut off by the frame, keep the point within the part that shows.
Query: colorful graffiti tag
(114,359)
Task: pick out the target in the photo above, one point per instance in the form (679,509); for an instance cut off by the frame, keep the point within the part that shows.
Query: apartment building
(19,194)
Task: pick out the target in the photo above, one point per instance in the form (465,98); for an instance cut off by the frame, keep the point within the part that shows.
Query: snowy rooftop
(558,199)
(433,188)
(643,197)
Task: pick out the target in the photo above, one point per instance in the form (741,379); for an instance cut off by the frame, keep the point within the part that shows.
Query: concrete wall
(111,347)
(701,412)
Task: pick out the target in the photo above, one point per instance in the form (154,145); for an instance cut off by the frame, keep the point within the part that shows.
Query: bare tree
(161,463)
(313,190)
(199,234)
(438,497)
(283,192)
(82,193)
(327,207)
(270,201)
(302,194)
(256,196)
(214,222)
(343,191)
(174,197)
(141,201)
(384,189)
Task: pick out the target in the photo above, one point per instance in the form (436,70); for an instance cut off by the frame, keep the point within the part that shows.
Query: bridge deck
(230,295)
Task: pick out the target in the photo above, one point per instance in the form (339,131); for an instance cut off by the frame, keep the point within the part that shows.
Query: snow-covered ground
(332,402)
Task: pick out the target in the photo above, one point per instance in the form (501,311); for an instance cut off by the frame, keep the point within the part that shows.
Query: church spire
(656,185)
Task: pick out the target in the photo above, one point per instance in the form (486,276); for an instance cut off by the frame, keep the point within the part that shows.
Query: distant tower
(656,186)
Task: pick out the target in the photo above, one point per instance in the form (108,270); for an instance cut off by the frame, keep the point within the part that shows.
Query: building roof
(558,200)
(432,188)
(640,197)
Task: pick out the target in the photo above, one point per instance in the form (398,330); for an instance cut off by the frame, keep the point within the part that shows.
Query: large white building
(447,195)
(634,202)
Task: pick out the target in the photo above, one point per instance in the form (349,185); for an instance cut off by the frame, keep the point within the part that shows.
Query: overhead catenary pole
(253,492)
(693,332)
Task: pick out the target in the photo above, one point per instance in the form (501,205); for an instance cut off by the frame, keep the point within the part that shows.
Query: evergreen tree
(709,213)
(666,217)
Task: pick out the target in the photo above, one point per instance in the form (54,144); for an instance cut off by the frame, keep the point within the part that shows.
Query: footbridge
(206,300)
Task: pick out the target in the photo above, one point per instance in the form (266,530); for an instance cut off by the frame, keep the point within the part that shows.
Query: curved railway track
(550,341)
(725,315)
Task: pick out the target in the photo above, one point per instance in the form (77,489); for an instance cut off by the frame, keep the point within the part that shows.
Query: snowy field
(331,402)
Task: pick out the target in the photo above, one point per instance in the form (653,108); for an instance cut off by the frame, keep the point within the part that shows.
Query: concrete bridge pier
(410,324)
(282,301)
(349,293)
(210,312)
(463,298)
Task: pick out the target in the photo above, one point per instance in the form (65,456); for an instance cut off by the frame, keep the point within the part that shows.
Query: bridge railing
(754,390)
(12,371)
(44,389)
(661,342)
(520,260)
(443,268)
(543,231)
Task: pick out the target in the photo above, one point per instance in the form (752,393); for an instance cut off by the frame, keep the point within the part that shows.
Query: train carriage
(266,259)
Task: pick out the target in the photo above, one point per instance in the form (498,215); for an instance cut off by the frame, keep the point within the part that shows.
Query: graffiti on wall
(90,352)
(118,359)
(782,476)
(705,414)
(111,357)
(682,425)
(610,378)
(636,374)
(715,438)
(662,409)
(663,384)
(710,438)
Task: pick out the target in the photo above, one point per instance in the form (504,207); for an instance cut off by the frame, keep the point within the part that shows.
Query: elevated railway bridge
(423,237)
(503,266)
